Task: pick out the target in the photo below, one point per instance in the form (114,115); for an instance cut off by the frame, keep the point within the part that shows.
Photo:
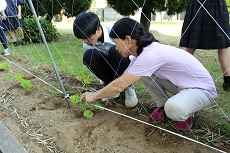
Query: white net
(58,65)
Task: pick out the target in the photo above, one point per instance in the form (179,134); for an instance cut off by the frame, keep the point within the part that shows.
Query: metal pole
(48,50)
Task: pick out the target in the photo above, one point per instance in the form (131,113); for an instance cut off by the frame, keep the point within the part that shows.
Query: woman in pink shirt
(162,69)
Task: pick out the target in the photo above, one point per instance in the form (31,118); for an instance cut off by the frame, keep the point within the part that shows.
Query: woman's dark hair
(85,25)
(130,27)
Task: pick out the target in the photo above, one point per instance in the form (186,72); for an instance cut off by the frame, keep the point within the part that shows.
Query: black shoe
(15,43)
(24,42)
(226,86)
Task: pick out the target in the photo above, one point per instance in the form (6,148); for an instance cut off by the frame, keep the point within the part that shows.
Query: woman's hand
(88,97)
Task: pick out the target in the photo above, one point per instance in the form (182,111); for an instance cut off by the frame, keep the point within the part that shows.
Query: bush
(32,33)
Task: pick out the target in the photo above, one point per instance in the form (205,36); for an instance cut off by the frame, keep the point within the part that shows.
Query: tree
(74,7)
(54,7)
(130,7)
(228,5)
(42,8)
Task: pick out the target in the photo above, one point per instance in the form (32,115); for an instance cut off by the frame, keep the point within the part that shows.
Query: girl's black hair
(85,25)
(130,27)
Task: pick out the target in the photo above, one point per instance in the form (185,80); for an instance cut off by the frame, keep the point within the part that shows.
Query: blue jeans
(2,36)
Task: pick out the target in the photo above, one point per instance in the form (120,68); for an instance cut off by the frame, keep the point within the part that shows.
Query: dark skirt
(12,23)
(200,31)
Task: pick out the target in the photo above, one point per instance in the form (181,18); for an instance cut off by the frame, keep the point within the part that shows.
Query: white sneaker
(101,82)
(109,98)
(130,98)
(6,51)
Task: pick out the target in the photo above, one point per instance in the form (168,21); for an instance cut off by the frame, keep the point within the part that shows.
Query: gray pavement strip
(8,143)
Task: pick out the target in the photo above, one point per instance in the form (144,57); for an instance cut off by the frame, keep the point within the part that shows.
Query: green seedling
(54,92)
(39,87)
(8,76)
(26,84)
(81,75)
(5,66)
(87,109)
(88,114)
(19,77)
(86,79)
(100,107)
(74,99)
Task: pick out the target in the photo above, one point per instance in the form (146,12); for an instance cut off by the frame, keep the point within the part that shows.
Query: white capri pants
(183,102)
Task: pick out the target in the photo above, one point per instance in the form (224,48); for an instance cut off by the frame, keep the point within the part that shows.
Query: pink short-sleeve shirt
(173,64)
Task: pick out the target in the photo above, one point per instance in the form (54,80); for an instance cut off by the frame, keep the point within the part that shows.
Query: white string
(31,74)
(114,70)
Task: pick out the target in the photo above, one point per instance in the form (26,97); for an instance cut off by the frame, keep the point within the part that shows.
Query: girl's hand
(88,97)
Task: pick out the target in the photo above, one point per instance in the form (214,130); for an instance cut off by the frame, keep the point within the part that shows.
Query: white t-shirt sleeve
(173,64)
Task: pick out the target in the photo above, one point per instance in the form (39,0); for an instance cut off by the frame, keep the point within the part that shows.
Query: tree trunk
(145,19)
(49,17)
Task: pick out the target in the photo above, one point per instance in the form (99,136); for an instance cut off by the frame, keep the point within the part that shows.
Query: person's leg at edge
(3,37)
(181,106)
(13,25)
(224,56)
(20,30)
(13,35)
(190,50)
(3,40)
(21,34)
(4,44)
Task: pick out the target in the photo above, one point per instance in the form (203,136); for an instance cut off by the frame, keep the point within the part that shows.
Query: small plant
(86,79)
(19,77)
(25,84)
(8,76)
(53,92)
(87,109)
(5,66)
(39,87)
